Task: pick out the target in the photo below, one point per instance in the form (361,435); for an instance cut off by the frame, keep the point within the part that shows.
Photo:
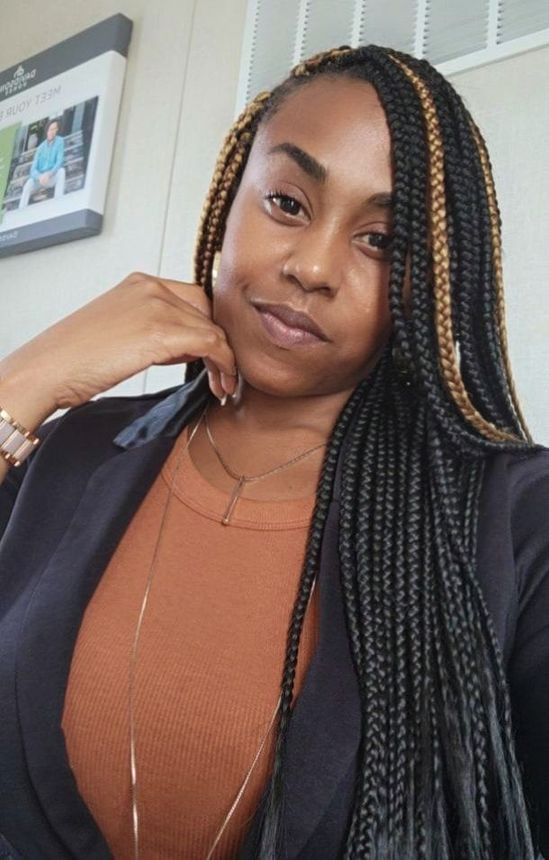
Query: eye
(381,242)
(279,195)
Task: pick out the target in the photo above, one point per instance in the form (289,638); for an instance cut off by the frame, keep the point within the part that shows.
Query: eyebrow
(319,172)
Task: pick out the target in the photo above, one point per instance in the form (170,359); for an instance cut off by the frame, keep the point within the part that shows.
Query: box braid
(437,773)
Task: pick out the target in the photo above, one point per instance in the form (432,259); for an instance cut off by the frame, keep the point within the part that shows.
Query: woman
(384,446)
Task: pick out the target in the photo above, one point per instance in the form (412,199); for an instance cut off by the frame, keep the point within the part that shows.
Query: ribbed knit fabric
(210,663)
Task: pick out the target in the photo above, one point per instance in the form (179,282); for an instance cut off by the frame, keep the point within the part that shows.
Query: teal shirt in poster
(48,157)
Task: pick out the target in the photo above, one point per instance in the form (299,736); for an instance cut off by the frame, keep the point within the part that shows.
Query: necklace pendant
(232,501)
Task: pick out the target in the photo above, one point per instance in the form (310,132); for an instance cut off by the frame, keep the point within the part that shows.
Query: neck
(287,424)
(256,432)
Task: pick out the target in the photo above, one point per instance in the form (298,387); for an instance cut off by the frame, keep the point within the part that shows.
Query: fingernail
(223,400)
(227,382)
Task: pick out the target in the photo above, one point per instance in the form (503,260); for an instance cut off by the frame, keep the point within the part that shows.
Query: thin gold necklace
(248,479)
(133,664)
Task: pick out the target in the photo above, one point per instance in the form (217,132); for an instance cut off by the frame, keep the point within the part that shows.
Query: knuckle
(221,334)
(211,337)
(133,277)
(151,286)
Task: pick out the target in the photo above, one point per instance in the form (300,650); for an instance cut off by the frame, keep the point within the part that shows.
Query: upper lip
(292,317)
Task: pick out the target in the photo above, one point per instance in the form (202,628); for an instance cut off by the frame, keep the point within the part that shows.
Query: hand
(44,178)
(142,321)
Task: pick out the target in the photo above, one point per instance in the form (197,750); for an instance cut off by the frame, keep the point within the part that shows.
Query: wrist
(25,399)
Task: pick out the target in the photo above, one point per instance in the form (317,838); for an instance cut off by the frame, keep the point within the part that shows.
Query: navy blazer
(62,514)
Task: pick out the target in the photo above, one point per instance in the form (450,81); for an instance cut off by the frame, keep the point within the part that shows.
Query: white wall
(177,105)
(510,103)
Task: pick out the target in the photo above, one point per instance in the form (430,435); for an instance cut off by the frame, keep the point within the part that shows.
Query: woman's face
(324,252)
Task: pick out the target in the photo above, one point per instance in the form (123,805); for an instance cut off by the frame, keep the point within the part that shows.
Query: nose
(312,262)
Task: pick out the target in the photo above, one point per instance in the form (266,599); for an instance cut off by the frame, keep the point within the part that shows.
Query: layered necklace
(249,479)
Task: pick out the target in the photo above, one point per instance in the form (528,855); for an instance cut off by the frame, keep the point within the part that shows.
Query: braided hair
(438,775)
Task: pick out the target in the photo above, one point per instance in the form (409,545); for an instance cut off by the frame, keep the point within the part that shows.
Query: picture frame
(58,117)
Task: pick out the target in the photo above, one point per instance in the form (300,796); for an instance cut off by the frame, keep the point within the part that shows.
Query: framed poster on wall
(58,117)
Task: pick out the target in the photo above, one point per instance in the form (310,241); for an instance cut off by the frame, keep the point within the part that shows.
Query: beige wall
(177,105)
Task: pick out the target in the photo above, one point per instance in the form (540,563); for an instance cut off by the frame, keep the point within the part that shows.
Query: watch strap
(16,442)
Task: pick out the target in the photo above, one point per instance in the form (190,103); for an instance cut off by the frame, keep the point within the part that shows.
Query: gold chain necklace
(248,479)
(133,657)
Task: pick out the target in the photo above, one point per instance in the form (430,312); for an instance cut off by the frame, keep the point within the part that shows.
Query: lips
(291,317)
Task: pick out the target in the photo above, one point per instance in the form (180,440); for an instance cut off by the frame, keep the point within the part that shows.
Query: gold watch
(16,442)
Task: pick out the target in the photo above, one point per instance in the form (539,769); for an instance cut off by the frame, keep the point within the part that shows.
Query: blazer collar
(169,416)
(325,727)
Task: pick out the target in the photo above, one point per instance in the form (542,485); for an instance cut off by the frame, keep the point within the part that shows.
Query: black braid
(479,344)
(437,774)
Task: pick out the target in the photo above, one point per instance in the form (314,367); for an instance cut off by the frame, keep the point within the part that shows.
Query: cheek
(369,308)
(231,298)
(223,310)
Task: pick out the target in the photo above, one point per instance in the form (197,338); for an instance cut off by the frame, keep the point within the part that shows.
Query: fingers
(221,365)
(192,293)
(208,341)
(220,383)
(220,362)
(204,338)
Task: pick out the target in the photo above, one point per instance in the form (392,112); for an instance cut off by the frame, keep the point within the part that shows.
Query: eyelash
(271,195)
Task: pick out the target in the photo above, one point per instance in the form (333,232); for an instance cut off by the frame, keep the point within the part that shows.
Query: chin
(281,382)
(259,371)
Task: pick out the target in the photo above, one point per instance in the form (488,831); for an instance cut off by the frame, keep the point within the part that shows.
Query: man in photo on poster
(47,165)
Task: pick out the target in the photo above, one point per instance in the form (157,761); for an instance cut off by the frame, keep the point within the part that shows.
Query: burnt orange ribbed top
(211,655)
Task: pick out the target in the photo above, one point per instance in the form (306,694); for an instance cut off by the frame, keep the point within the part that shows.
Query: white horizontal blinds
(454,29)
(391,23)
(271,48)
(521,17)
(452,34)
(326,25)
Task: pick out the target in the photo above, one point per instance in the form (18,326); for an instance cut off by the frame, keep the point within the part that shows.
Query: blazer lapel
(50,628)
(54,612)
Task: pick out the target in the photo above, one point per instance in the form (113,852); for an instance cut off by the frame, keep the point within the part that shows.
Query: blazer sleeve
(9,488)
(528,668)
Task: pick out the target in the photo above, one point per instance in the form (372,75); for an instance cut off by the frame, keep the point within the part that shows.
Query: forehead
(341,122)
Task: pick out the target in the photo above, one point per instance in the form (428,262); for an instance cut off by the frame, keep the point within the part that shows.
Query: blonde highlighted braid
(441,272)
